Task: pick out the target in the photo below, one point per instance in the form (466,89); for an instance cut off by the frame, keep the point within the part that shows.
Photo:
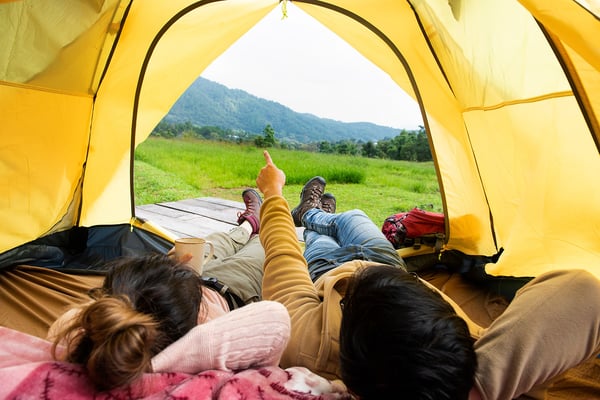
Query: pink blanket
(27,371)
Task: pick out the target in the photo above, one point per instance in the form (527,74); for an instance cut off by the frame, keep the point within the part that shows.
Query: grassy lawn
(174,169)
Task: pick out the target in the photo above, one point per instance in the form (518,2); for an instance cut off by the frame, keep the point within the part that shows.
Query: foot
(253,201)
(310,197)
(328,203)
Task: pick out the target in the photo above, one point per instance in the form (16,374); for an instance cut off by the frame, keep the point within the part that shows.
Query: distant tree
(269,133)
(386,149)
(408,150)
(164,129)
(408,145)
(346,147)
(422,146)
(325,147)
(369,150)
(211,132)
(268,140)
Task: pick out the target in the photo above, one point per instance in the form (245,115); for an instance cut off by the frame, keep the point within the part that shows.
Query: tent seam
(535,99)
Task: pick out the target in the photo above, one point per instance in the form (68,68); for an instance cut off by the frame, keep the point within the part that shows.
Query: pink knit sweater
(252,336)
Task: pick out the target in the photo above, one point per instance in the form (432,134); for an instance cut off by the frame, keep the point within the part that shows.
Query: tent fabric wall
(50,63)
(509,93)
(514,151)
(407,58)
(42,157)
(573,28)
(185,44)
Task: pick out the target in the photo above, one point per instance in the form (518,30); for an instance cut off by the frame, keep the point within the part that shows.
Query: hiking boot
(310,197)
(253,201)
(328,203)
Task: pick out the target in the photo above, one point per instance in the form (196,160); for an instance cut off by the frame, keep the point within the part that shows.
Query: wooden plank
(214,202)
(229,203)
(217,209)
(181,223)
(195,217)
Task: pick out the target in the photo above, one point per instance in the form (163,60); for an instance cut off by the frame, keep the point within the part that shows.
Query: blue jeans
(334,239)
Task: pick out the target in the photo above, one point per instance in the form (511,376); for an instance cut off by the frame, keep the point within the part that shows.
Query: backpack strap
(233,300)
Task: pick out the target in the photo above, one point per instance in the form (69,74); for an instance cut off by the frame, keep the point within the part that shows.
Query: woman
(155,314)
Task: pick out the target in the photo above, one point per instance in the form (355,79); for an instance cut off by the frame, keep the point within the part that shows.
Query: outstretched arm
(286,278)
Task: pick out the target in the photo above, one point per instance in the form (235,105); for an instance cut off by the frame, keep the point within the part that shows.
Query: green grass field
(172,169)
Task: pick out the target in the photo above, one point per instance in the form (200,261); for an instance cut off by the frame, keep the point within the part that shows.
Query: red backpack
(415,227)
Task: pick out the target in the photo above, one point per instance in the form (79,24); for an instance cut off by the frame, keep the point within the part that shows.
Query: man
(387,333)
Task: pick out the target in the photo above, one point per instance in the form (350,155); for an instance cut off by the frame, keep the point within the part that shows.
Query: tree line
(409,145)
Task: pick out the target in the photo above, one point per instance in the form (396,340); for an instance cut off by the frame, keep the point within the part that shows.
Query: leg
(354,229)
(320,253)
(355,235)
(238,263)
(239,256)
(348,228)
(551,326)
(226,244)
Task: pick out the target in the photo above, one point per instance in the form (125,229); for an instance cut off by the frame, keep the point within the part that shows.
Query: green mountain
(207,103)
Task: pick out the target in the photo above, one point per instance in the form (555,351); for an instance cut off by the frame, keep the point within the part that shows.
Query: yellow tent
(509,93)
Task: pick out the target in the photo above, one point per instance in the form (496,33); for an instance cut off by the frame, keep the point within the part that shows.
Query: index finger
(268,157)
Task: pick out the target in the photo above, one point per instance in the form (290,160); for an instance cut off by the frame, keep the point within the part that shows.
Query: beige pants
(237,262)
(552,325)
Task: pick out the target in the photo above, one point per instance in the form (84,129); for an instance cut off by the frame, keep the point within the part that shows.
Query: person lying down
(150,315)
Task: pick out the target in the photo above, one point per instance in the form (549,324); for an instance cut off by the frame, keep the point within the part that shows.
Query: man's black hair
(401,339)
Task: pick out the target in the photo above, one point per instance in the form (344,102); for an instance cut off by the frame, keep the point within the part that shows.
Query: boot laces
(315,195)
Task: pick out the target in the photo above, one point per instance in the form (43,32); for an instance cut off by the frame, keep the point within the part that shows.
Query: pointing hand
(270,180)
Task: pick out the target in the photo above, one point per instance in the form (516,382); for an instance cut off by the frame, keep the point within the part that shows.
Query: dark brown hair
(145,304)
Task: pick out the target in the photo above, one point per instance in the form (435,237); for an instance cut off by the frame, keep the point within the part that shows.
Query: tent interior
(509,93)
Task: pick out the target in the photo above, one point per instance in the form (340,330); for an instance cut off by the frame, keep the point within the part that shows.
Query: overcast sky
(301,64)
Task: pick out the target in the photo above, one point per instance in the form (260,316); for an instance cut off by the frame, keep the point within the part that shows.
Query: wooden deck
(196,217)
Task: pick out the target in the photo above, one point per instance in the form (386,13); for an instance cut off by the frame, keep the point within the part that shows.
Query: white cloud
(301,64)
